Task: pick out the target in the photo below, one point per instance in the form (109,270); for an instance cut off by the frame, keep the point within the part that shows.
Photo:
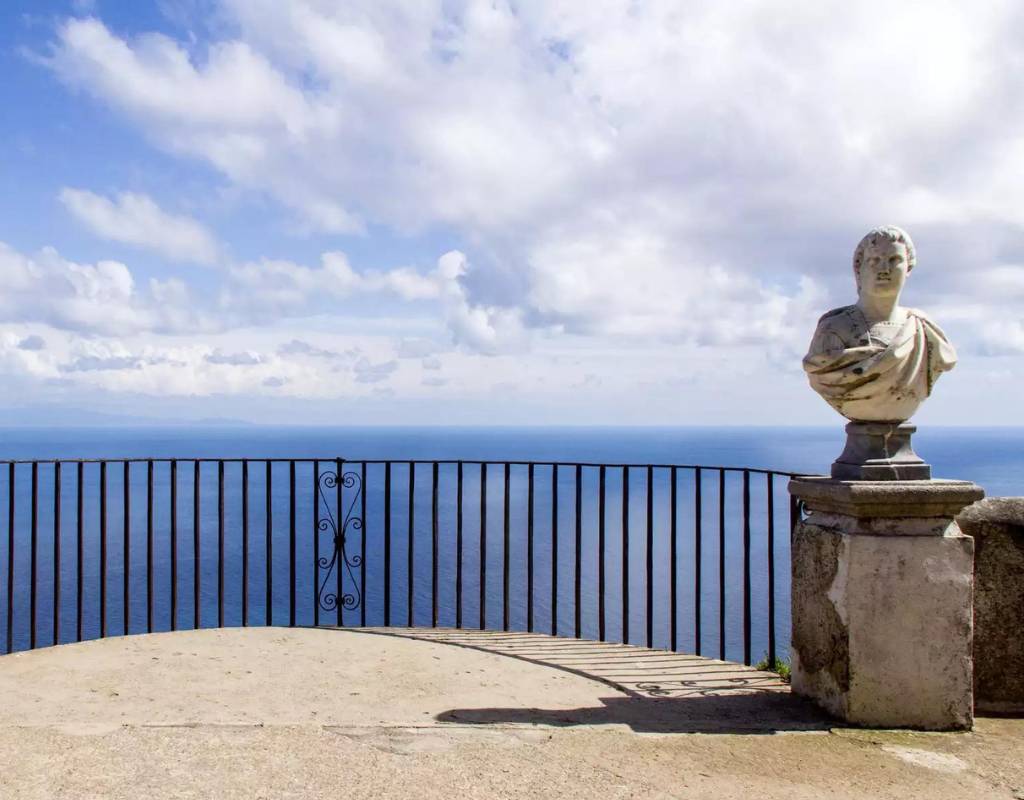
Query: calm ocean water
(993,458)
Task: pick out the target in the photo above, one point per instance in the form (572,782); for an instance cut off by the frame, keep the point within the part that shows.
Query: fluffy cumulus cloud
(33,342)
(287,289)
(654,129)
(100,298)
(284,286)
(136,219)
(643,180)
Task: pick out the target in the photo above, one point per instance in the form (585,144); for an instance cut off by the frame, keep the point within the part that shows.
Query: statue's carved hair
(887,232)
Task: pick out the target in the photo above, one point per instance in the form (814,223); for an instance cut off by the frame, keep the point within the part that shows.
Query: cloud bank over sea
(489,211)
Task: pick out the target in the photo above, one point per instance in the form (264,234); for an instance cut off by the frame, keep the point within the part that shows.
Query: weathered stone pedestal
(880,451)
(882,601)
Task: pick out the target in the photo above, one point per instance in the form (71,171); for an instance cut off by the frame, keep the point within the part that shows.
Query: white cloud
(104,299)
(32,342)
(413,347)
(710,147)
(286,287)
(1003,337)
(233,110)
(640,189)
(242,359)
(367,372)
(297,347)
(486,329)
(89,298)
(137,220)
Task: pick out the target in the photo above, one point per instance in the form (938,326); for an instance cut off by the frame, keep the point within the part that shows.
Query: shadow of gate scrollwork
(337,526)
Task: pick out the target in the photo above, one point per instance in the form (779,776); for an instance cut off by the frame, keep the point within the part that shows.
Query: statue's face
(883,269)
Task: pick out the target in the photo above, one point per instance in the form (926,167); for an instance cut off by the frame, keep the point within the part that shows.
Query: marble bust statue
(875,360)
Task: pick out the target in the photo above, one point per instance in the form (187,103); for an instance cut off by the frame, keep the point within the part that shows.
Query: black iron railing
(683,557)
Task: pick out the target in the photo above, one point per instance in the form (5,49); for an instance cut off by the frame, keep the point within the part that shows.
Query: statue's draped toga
(866,378)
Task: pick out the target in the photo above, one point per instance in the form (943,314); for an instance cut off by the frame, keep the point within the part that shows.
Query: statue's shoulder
(835,316)
(916,312)
(928,322)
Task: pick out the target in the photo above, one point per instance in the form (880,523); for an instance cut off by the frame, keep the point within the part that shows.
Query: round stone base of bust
(880,451)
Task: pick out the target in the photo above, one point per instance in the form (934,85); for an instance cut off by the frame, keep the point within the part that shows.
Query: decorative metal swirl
(700,688)
(340,558)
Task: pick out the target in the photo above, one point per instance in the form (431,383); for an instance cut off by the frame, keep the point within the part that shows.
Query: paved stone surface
(298,713)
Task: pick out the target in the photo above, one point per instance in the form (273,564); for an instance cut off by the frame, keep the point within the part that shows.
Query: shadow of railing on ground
(759,713)
(657,691)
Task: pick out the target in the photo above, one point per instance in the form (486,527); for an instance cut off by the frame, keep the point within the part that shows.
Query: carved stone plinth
(880,451)
(882,602)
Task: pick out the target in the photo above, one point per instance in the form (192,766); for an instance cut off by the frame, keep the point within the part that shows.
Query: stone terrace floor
(310,713)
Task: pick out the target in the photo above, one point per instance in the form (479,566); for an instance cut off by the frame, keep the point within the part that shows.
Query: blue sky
(492,212)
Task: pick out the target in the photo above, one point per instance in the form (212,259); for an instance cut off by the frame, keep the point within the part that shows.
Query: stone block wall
(997,525)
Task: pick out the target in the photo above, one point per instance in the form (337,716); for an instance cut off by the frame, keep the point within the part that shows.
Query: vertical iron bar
(435,538)
(56,553)
(220,544)
(578,566)
(269,543)
(650,556)
(80,530)
(10,560)
(746,566)
(794,519)
(554,549)
(459,547)
(34,556)
(483,546)
(673,559)
(149,547)
(507,550)
(721,564)
(770,478)
(410,551)
(174,544)
(245,542)
(339,586)
(362,544)
(697,544)
(197,618)
(293,543)
(196,555)
(103,549)
(625,555)
(387,544)
(127,531)
(529,548)
(316,543)
(601,554)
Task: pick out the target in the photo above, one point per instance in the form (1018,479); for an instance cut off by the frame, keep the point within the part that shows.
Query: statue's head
(882,261)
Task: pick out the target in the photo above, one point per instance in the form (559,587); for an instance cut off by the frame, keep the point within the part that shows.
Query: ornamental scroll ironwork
(338,527)
(711,687)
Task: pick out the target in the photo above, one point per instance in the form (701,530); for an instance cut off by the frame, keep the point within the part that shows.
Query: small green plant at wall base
(780,667)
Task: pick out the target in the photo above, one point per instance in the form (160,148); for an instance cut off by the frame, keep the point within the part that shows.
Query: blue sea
(992,457)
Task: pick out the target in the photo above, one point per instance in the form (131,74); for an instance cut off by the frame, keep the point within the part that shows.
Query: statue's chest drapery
(849,330)
(876,372)
(882,333)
